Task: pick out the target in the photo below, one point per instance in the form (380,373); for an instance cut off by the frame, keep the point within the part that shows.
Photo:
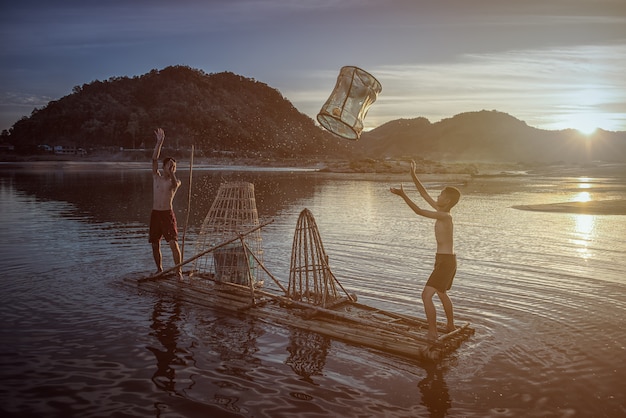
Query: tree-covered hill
(215,112)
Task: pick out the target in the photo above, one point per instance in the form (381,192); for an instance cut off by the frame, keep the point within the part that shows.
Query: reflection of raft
(314,299)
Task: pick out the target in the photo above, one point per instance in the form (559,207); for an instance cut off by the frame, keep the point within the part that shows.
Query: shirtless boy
(440,280)
(162,219)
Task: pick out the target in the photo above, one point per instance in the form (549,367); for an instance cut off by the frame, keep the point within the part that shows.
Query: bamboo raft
(314,300)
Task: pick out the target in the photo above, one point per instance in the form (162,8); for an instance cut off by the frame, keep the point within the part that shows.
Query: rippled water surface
(546,293)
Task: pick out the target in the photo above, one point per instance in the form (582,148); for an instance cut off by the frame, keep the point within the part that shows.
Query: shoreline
(363,168)
(594,207)
(89,166)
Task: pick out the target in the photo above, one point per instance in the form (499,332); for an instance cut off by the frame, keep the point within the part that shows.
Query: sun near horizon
(588,123)
(587,130)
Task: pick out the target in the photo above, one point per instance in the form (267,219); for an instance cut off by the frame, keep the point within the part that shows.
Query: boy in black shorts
(440,280)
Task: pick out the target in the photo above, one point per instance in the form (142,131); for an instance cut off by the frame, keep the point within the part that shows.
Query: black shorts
(163,224)
(443,273)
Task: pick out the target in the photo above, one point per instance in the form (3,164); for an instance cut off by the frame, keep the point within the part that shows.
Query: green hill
(221,112)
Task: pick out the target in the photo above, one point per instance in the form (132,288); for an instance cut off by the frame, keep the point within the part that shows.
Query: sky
(553,64)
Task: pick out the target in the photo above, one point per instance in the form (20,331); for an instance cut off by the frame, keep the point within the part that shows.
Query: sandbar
(593,207)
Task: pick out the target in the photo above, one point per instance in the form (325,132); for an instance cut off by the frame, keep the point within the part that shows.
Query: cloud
(434,58)
(22,100)
(528,84)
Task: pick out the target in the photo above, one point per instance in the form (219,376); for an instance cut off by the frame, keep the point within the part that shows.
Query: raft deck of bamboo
(346,320)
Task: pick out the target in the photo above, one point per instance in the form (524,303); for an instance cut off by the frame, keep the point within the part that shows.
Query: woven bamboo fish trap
(233,211)
(310,277)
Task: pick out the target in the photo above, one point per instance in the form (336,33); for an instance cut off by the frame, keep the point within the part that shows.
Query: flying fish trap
(343,113)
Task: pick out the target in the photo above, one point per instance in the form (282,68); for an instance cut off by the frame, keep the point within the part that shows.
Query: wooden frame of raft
(348,321)
(332,315)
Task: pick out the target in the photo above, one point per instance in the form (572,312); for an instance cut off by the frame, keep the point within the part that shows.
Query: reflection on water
(78,189)
(584,234)
(435,393)
(165,323)
(307,353)
(545,291)
(582,197)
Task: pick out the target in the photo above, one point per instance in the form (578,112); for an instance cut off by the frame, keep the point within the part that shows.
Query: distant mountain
(489,136)
(227,114)
(221,112)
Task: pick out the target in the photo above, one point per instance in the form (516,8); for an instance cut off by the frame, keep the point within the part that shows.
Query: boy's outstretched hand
(413,169)
(399,192)
(160,135)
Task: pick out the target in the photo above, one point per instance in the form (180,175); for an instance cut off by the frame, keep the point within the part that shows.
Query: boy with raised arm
(162,219)
(440,280)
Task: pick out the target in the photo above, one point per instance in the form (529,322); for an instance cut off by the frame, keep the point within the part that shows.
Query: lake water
(546,293)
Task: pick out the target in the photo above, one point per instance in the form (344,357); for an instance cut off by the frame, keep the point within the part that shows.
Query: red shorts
(163,224)
(443,273)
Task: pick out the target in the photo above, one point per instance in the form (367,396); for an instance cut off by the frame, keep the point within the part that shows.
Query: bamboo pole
(246,251)
(399,316)
(340,315)
(265,268)
(348,317)
(182,250)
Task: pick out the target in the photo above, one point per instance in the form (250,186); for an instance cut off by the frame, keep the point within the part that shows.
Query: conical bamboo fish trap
(310,277)
(233,211)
